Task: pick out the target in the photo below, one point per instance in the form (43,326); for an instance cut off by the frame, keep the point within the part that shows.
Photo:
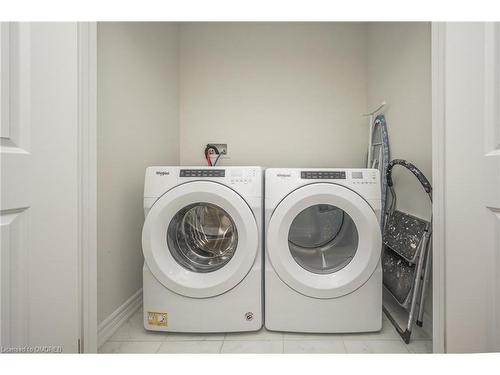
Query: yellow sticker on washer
(158,319)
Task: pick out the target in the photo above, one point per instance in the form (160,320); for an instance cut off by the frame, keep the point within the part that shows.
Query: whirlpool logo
(283,175)
(162,173)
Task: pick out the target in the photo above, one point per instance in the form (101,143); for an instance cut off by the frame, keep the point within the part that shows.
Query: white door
(200,239)
(472,187)
(324,240)
(39,301)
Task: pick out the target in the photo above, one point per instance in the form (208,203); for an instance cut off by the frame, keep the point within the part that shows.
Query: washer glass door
(202,237)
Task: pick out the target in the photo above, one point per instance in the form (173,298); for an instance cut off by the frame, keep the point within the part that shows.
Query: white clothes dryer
(323,249)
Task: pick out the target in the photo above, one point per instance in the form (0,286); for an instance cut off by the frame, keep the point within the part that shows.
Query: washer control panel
(323,175)
(242,175)
(202,173)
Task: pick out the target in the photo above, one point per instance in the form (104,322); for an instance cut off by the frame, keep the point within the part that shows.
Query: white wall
(399,72)
(137,127)
(280,94)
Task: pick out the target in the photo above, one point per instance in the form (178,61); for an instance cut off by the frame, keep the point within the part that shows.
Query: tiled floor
(133,338)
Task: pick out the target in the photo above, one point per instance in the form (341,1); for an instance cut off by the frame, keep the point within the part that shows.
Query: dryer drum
(202,237)
(323,239)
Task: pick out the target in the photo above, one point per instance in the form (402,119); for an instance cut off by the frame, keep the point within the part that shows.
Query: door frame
(438,47)
(87,172)
(87,175)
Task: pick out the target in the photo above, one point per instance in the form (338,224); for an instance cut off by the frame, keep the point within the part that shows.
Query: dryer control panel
(281,181)
(322,175)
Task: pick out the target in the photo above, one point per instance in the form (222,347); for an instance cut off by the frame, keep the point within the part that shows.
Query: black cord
(217,160)
(207,155)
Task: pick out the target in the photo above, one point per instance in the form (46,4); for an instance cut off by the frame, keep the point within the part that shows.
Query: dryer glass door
(202,237)
(323,238)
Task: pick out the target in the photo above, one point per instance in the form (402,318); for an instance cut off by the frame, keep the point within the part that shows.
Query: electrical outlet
(222,147)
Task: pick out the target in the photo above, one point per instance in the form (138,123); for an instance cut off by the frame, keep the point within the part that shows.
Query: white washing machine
(202,244)
(323,247)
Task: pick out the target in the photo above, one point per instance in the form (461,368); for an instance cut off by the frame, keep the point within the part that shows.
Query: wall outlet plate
(222,147)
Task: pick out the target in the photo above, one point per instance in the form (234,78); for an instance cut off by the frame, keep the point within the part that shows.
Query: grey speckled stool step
(403,233)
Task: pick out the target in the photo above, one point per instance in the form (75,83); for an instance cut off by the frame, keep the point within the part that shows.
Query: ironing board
(379,156)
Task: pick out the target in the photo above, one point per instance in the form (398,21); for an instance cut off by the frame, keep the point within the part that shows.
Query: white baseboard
(115,320)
